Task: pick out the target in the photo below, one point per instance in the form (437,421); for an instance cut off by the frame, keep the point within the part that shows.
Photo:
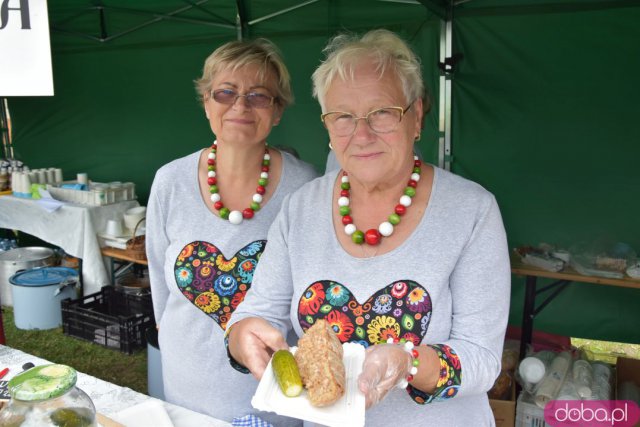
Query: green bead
(410,191)
(263,182)
(213,189)
(266,162)
(224,213)
(415,363)
(357,237)
(416,169)
(345,210)
(394,219)
(255,206)
(345,186)
(402,340)
(211,168)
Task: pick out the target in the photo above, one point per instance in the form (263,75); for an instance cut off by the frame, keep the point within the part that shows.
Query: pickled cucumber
(286,371)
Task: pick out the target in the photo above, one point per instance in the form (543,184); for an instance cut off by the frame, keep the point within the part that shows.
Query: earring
(330,146)
(417,138)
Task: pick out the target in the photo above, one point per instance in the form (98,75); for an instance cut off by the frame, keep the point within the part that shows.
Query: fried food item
(319,358)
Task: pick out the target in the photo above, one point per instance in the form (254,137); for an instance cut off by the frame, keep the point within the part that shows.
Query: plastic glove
(385,367)
(252,341)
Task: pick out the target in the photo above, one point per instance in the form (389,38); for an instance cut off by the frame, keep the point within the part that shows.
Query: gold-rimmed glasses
(380,120)
(254,99)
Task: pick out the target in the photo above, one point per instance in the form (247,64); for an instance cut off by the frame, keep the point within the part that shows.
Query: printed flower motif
(196,262)
(188,294)
(207,302)
(204,271)
(184,276)
(252,248)
(237,299)
(451,355)
(418,300)
(397,312)
(209,248)
(382,304)
(245,270)
(225,285)
(424,323)
(337,295)
(449,392)
(444,373)
(409,336)
(341,325)
(399,290)
(381,328)
(186,252)
(312,299)
(225,265)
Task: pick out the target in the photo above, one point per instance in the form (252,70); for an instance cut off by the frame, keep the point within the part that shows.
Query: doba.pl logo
(592,413)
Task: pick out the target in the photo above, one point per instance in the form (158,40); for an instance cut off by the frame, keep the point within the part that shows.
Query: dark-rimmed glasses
(254,99)
(381,120)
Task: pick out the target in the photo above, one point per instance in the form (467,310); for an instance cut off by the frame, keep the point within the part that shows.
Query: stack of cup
(583,378)
(550,386)
(601,389)
(531,370)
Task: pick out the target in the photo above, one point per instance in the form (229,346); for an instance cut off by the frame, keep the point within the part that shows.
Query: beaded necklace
(385,229)
(236,217)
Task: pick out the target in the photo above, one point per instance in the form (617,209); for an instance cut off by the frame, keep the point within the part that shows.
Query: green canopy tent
(542,107)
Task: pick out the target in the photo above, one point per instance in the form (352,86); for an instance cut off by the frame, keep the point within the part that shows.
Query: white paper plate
(347,411)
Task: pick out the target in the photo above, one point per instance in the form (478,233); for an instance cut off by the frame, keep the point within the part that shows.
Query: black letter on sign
(24,13)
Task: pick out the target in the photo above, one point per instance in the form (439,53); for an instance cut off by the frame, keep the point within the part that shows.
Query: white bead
(212,155)
(345,178)
(215,197)
(415,157)
(415,177)
(267,156)
(389,340)
(257,198)
(408,345)
(413,370)
(386,229)
(264,175)
(211,174)
(235,217)
(405,200)
(343,201)
(403,383)
(349,229)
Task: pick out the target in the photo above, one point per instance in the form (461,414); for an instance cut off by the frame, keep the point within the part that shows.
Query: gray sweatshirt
(447,285)
(200,268)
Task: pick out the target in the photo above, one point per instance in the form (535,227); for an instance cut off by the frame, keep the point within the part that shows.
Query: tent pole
(444,121)
(5,128)
(242,19)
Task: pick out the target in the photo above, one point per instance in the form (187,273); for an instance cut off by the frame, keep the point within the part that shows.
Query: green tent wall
(545,110)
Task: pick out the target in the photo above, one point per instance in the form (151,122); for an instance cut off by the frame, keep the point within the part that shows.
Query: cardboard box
(504,411)
(628,370)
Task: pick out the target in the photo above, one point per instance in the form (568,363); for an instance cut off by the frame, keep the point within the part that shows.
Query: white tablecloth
(72,227)
(110,399)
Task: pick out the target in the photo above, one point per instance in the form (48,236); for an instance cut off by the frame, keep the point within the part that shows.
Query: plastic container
(47,396)
(528,414)
(37,294)
(15,260)
(155,385)
(110,318)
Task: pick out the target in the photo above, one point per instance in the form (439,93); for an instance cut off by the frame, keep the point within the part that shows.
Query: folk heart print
(399,310)
(216,285)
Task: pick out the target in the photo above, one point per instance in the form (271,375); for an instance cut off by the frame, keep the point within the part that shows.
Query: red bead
(347,220)
(211,161)
(372,237)
(415,353)
(400,209)
(218,205)
(410,378)
(212,180)
(260,189)
(412,183)
(265,168)
(396,340)
(344,193)
(247,213)
(417,163)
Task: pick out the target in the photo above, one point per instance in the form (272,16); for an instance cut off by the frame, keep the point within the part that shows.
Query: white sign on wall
(25,51)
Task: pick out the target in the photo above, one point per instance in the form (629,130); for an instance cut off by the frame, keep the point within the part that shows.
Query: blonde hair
(236,54)
(388,51)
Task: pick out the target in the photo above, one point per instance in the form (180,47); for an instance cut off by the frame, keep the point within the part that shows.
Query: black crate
(111,318)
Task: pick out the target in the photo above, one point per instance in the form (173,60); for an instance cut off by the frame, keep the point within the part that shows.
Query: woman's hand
(385,366)
(252,341)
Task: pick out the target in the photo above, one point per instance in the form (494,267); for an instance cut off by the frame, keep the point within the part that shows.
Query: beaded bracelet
(409,348)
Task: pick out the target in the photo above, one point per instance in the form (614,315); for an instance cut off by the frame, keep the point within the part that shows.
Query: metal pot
(17,260)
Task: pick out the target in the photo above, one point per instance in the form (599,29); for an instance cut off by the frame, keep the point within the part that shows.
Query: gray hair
(388,51)
(237,54)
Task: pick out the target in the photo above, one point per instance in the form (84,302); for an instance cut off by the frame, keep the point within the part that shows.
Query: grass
(606,351)
(53,345)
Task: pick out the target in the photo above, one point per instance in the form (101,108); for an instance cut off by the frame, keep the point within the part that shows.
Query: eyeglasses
(254,99)
(382,120)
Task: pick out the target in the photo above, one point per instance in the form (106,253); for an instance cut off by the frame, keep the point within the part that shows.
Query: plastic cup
(114,228)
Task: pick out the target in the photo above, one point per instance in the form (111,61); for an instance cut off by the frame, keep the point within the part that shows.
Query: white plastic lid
(532,370)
